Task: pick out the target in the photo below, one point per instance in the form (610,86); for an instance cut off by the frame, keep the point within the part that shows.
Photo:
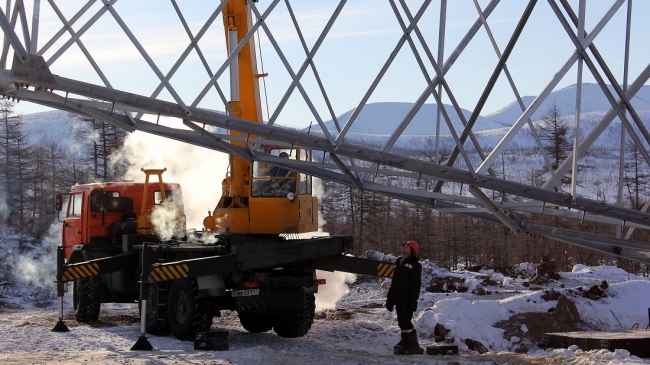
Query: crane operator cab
(279,201)
(272,180)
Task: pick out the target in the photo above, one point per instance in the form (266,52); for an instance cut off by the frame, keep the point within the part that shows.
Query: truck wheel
(186,312)
(296,323)
(256,322)
(85,308)
(157,324)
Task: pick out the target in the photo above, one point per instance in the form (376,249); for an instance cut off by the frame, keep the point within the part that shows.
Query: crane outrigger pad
(142,344)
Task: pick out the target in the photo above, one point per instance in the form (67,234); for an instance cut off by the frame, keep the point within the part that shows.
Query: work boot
(402,345)
(413,347)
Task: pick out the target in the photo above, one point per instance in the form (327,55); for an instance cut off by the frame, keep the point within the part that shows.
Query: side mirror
(58,202)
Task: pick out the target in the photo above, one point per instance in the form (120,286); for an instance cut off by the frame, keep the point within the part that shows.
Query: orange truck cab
(99,214)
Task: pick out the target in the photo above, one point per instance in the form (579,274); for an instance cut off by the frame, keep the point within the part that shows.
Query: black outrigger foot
(60,327)
(142,345)
(60,290)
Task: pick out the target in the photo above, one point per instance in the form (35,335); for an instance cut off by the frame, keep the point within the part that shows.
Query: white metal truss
(30,73)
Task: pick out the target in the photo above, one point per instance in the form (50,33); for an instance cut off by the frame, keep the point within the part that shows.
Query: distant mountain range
(377,121)
(593,104)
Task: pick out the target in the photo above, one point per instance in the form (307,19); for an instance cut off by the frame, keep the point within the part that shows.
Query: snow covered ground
(357,329)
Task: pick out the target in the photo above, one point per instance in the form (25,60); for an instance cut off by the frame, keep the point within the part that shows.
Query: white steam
(198,170)
(319,192)
(166,222)
(336,282)
(35,269)
(335,288)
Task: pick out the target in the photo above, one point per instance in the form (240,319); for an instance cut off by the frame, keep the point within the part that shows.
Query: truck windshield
(109,201)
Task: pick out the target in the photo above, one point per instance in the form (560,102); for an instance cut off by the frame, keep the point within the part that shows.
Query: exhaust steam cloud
(198,170)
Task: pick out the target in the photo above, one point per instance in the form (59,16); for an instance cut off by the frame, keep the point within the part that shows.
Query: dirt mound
(547,270)
(530,326)
(506,270)
(447,284)
(595,292)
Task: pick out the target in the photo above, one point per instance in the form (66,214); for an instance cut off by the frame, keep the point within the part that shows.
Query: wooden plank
(636,342)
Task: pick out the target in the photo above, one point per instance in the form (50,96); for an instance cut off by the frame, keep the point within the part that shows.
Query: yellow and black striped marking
(385,270)
(171,272)
(81,271)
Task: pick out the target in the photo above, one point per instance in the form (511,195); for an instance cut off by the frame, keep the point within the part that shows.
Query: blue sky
(356,48)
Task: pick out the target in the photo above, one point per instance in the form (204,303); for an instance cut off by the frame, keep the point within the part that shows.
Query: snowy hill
(54,125)
(380,119)
(377,121)
(594,103)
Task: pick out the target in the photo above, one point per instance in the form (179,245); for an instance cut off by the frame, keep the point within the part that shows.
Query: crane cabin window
(274,180)
(304,180)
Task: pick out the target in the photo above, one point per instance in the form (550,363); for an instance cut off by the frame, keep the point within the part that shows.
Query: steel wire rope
(266,95)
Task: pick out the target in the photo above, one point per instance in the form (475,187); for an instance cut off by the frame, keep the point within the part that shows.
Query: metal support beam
(13,38)
(541,97)
(480,196)
(490,84)
(354,151)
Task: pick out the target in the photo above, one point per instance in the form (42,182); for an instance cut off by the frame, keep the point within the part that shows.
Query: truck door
(73,223)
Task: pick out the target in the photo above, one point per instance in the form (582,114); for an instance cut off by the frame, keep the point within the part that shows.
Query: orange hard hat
(413,245)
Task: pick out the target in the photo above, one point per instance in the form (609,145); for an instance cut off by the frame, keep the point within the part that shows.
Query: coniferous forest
(452,240)
(32,173)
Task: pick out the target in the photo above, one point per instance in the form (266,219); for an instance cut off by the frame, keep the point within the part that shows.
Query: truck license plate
(245,292)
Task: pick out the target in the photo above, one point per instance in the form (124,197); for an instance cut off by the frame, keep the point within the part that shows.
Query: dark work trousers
(404,315)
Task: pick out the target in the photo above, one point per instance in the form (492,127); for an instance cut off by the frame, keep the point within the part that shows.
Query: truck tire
(83,300)
(186,312)
(256,323)
(157,324)
(296,323)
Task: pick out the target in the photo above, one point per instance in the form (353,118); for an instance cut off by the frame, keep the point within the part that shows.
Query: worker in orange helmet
(403,295)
